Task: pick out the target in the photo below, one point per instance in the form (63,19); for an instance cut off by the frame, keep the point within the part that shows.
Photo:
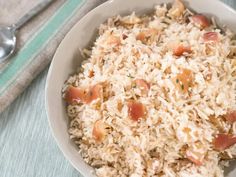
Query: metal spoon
(7,33)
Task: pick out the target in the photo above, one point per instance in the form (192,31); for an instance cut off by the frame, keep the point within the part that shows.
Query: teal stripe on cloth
(38,41)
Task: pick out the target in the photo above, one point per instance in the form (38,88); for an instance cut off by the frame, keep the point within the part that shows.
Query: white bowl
(67,59)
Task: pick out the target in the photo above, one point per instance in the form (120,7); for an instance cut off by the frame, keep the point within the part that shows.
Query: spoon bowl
(7,34)
(7,42)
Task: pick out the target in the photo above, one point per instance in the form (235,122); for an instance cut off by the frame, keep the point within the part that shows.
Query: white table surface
(27,148)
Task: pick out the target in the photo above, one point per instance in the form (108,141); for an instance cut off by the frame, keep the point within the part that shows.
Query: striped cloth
(37,41)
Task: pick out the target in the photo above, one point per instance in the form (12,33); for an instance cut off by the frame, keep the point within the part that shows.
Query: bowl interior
(68,58)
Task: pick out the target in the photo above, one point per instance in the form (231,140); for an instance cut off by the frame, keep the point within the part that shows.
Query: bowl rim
(47,107)
(59,143)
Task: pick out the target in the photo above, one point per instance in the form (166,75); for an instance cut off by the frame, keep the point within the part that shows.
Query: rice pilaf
(156,96)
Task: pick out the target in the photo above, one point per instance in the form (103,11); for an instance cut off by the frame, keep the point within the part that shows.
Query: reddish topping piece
(94,93)
(136,110)
(231,116)
(210,37)
(99,130)
(113,40)
(144,35)
(143,85)
(141,36)
(194,157)
(201,21)
(184,80)
(181,49)
(74,93)
(196,153)
(224,141)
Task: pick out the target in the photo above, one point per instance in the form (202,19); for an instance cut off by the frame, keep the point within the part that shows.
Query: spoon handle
(38,8)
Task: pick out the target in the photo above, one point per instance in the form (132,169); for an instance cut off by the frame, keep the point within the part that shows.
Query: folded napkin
(36,41)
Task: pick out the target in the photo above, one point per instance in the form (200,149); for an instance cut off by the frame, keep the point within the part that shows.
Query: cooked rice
(155,145)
